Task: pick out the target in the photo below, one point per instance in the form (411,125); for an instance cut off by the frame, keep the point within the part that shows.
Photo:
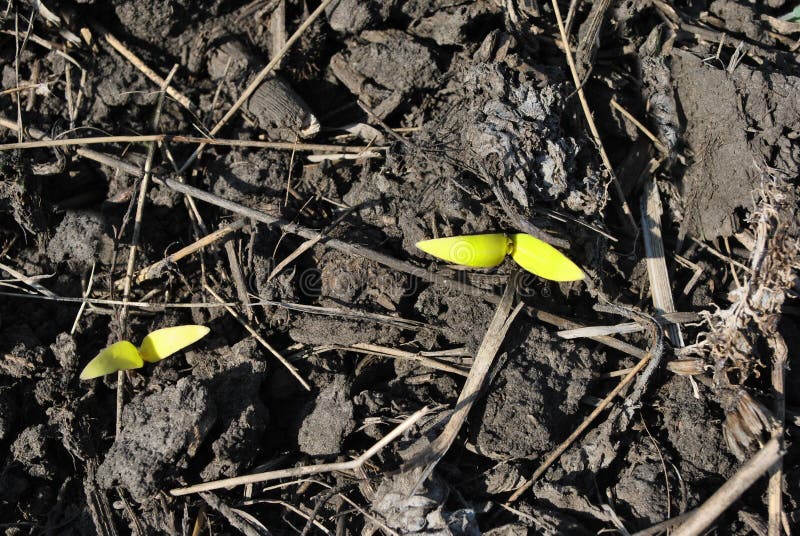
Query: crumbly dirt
(159,431)
(475,125)
(539,388)
(81,238)
(328,421)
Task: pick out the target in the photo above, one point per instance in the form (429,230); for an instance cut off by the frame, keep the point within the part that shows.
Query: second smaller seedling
(161,343)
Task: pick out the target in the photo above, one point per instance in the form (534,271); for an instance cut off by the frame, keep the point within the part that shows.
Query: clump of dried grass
(738,336)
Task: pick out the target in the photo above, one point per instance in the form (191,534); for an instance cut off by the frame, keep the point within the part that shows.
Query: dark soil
(478,128)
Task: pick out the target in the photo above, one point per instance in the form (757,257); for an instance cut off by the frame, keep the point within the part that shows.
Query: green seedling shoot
(793,15)
(489,251)
(161,343)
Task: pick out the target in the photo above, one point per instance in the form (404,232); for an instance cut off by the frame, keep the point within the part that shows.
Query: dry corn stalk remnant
(743,339)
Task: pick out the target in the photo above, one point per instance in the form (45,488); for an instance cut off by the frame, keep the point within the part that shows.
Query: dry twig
(137,230)
(383,351)
(702,518)
(656,142)
(660,288)
(611,342)
(627,327)
(484,358)
(358,150)
(238,278)
(309,469)
(258,337)
(86,294)
(590,121)
(30,281)
(260,77)
(137,62)
(234,517)
(157,267)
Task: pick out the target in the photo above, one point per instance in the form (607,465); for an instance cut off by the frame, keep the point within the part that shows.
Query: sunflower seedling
(489,250)
(161,343)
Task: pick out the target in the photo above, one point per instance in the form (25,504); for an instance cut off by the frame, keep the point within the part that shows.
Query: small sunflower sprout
(156,346)
(489,251)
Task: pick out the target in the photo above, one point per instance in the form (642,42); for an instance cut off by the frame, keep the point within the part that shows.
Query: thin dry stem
(259,338)
(780,356)
(553,456)
(590,120)
(384,351)
(299,512)
(299,307)
(147,71)
(131,304)
(68,94)
(644,130)
(238,279)
(307,470)
(17,52)
(344,497)
(702,518)
(83,304)
(611,342)
(200,521)
(302,248)
(156,268)
(664,526)
(594,331)
(20,89)
(720,255)
(49,45)
(260,77)
(28,281)
(357,150)
(573,8)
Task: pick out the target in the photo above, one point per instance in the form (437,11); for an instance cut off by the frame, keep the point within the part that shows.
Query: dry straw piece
(310,469)
(495,334)
(733,334)
(660,287)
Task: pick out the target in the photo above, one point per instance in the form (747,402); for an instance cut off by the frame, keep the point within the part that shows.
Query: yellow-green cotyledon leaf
(122,355)
(478,251)
(542,259)
(165,342)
